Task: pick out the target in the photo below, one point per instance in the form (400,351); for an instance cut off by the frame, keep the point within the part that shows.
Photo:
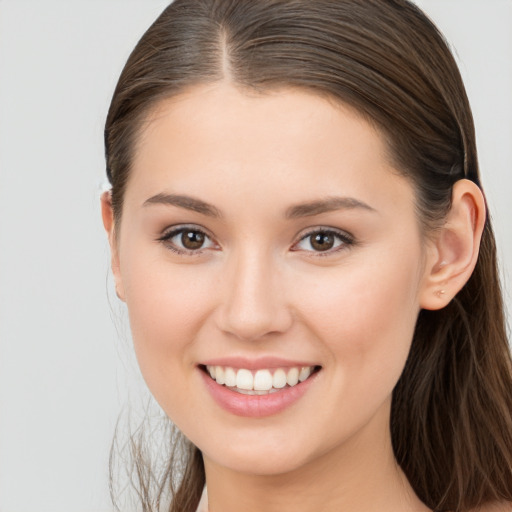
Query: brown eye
(322,241)
(184,240)
(192,240)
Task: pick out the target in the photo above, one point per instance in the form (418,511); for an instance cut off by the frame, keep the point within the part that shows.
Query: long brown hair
(451,420)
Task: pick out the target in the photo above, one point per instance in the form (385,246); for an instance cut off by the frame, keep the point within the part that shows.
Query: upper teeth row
(261,380)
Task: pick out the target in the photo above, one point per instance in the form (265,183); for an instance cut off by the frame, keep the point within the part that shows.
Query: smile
(259,382)
(258,392)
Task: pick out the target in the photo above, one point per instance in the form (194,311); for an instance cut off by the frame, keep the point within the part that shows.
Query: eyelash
(346,240)
(166,238)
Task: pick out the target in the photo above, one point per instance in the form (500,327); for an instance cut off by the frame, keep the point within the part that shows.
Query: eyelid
(172,231)
(347,239)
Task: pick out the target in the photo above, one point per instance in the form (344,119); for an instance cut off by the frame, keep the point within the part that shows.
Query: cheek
(167,306)
(365,315)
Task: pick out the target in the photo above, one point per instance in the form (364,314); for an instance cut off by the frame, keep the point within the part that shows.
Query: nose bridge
(253,302)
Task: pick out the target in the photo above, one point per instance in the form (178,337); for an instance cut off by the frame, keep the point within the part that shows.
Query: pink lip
(266,362)
(255,406)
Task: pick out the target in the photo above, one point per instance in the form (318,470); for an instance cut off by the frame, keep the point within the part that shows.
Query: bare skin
(246,170)
(340,486)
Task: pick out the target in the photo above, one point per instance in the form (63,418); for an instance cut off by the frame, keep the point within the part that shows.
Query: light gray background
(64,367)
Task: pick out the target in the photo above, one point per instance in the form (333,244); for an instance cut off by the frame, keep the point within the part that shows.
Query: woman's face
(263,238)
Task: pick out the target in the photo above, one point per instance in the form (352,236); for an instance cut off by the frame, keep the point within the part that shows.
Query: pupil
(192,239)
(322,241)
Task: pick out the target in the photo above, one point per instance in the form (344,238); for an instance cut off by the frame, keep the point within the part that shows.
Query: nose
(253,303)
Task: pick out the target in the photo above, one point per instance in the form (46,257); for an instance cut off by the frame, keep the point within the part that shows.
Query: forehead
(261,122)
(217,138)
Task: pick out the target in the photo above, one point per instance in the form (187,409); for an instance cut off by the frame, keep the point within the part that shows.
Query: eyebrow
(326,205)
(308,209)
(187,202)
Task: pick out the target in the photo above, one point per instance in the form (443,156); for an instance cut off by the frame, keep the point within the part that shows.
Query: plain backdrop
(65,356)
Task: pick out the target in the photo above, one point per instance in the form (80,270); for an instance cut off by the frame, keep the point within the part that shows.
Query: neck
(359,476)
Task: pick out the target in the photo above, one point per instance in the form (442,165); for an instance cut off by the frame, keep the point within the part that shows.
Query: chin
(260,463)
(264,453)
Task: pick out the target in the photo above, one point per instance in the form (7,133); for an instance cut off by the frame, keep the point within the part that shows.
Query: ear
(107,214)
(453,254)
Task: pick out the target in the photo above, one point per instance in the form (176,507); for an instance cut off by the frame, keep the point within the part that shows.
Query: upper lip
(256,363)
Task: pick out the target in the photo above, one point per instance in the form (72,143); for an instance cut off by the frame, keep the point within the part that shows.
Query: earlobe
(107,215)
(454,252)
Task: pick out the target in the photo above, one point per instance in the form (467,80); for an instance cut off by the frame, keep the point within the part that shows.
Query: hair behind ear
(452,407)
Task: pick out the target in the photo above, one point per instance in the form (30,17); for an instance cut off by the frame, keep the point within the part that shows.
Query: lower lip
(256,406)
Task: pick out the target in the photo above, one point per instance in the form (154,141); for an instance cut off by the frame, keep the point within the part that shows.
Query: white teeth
(219,374)
(292,377)
(244,380)
(262,381)
(229,377)
(279,379)
(305,372)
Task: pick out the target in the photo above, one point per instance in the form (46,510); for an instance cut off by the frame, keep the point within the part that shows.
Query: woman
(298,230)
